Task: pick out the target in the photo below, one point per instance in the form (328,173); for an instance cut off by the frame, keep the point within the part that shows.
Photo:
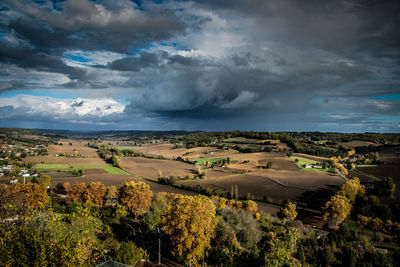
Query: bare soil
(356,143)
(150,168)
(68,149)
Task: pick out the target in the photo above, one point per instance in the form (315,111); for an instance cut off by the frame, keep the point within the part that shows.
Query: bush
(129,253)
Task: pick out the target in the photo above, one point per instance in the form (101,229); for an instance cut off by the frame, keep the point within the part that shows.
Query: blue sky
(278,65)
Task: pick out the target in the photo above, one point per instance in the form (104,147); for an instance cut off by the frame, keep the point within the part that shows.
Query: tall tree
(136,197)
(280,249)
(45,180)
(76,192)
(189,223)
(336,210)
(95,193)
(351,188)
(116,160)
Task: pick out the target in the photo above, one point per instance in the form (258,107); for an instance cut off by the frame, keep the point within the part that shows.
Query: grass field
(367,165)
(201,161)
(125,147)
(302,161)
(65,167)
(53,167)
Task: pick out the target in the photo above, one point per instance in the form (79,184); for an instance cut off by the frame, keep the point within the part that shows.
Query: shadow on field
(314,199)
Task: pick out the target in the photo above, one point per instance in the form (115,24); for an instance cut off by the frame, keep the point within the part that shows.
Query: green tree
(116,161)
(45,180)
(236,193)
(129,253)
(45,239)
(280,249)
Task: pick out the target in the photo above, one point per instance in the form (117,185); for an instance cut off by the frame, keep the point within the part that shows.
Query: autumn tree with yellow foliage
(336,210)
(334,161)
(351,188)
(75,192)
(136,197)
(288,211)
(339,206)
(190,224)
(95,193)
(16,197)
(112,193)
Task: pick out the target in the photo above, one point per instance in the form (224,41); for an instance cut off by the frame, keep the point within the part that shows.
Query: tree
(246,229)
(159,205)
(116,161)
(45,180)
(136,197)
(351,152)
(236,193)
(129,253)
(75,193)
(250,205)
(288,211)
(350,189)
(17,198)
(336,210)
(95,193)
(45,239)
(189,223)
(75,153)
(280,249)
(112,193)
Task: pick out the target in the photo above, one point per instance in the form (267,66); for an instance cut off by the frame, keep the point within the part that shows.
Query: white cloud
(63,108)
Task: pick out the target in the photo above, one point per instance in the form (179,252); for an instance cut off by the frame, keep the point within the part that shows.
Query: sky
(259,65)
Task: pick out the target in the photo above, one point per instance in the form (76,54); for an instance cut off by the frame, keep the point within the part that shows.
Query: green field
(125,147)
(201,161)
(367,165)
(320,142)
(53,167)
(303,161)
(65,167)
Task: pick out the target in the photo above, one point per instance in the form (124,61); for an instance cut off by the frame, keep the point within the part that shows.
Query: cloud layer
(212,65)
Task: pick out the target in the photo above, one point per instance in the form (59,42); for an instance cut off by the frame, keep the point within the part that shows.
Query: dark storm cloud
(78,24)
(113,25)
(135,63)
(27,58)
(214,63)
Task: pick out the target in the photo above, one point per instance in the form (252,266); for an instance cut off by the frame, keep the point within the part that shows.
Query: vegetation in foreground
(95,223)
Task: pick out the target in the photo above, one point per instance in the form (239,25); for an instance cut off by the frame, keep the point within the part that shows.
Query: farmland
(270,176)
(284,180)
(65,167)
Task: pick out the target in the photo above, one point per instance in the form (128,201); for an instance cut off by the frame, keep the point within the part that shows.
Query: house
(311,166)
